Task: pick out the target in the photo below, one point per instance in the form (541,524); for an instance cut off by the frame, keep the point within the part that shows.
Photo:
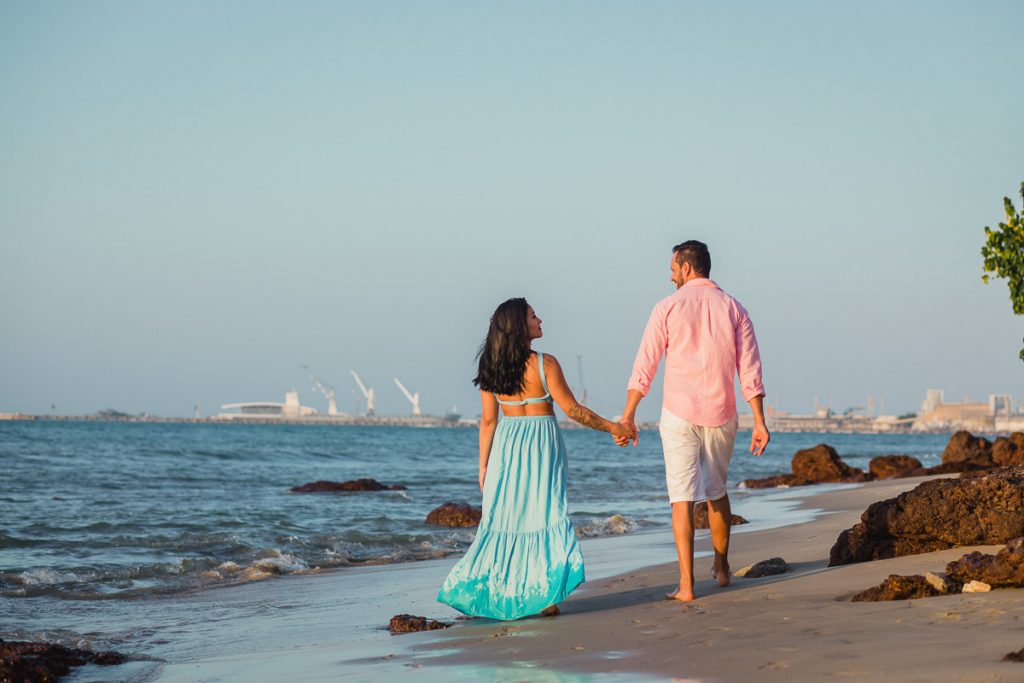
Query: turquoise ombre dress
(525,556)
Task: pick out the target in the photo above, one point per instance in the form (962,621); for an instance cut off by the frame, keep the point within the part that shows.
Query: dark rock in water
(937,515)
(354,485)
(455,515)
(29,662)
(1017,656)
(701,521)
(1009,451)
(893,466)
(779,480)
(965,447)
(1005,569)
(771,567)
(407,623)
(822,464)
(817,465)
(898,588)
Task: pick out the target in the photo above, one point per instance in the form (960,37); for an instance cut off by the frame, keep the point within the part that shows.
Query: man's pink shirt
(707,338)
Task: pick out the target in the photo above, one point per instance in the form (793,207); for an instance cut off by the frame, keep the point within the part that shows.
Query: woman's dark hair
(503,355)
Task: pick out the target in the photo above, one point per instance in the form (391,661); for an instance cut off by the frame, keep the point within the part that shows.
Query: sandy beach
(797,626)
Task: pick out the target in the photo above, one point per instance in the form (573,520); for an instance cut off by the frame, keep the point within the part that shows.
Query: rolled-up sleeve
(748,358)
(652,348)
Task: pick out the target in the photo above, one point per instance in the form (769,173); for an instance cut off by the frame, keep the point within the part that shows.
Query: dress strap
(543,379)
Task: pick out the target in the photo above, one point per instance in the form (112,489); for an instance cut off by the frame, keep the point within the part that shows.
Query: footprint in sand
(774,666)
(818,631)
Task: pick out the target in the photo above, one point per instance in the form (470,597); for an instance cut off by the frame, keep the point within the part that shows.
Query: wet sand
(798,626)
(618,627)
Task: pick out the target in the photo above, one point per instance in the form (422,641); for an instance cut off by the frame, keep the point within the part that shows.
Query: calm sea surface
(127,511)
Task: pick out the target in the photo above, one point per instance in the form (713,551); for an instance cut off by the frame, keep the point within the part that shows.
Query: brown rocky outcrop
(408,623)
(966,448)
(344,486)
(898,588)
(822,464)
(455,515)
(1005,569)
(893,466)
(936,515)
(701,521)
(1017,656)
(1009,451)
(29,662)
(817,465)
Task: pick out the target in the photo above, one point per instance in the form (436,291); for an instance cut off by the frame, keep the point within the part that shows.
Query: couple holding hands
(525,558)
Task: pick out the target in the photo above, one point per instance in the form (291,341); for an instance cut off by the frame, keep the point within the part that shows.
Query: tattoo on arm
(588,418)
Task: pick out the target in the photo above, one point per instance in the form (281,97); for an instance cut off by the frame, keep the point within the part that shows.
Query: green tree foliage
(1003,254)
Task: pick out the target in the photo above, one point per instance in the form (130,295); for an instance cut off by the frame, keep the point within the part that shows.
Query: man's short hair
(696,254)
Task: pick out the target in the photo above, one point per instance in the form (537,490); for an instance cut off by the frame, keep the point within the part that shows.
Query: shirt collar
(701,282)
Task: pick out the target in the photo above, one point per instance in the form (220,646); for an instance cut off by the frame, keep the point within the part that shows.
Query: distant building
(289,410)
(998,414)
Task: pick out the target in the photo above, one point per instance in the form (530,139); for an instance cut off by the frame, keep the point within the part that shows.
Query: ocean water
(128,511)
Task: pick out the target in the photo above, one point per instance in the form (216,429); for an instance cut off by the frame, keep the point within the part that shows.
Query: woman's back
(535,399)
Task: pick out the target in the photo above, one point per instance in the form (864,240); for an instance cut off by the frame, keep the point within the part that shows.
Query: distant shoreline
(428,421)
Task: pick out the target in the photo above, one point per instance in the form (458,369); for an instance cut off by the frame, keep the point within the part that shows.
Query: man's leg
(681,445)
(682,529)
(720,519)
(716,452)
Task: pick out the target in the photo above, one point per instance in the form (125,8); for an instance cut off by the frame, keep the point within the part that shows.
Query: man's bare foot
(681,596)
(551,611)
(723,576)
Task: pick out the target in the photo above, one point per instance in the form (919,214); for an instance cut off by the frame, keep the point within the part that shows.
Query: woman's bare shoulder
(550,362)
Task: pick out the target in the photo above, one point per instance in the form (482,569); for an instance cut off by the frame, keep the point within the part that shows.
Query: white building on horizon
(289,410)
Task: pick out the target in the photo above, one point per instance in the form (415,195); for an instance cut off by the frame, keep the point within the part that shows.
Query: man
(707,337)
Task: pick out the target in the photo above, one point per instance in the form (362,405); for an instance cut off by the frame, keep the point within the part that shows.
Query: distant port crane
(367,393)
(413,398)
(328,391)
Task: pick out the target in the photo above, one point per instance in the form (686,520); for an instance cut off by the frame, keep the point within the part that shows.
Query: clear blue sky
(199,198)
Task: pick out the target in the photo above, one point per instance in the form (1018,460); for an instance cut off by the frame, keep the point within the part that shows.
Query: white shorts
(696,458)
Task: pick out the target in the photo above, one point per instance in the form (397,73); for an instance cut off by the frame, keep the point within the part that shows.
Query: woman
(525,558)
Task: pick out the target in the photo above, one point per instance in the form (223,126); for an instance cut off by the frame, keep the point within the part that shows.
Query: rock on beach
(893,466)
(964,447)
(408,623)
(976,587)
(30,662)
(775,565)
(898,588)
(1005,569)
(322,486)
(937,515)
(964,453)
(1009,451)
(818,465)
(822,465)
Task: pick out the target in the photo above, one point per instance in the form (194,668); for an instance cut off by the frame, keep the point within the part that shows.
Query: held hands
(759,439)
(625,431)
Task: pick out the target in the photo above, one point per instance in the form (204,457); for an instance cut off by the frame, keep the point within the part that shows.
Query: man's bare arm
(759,437)
(633,398)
